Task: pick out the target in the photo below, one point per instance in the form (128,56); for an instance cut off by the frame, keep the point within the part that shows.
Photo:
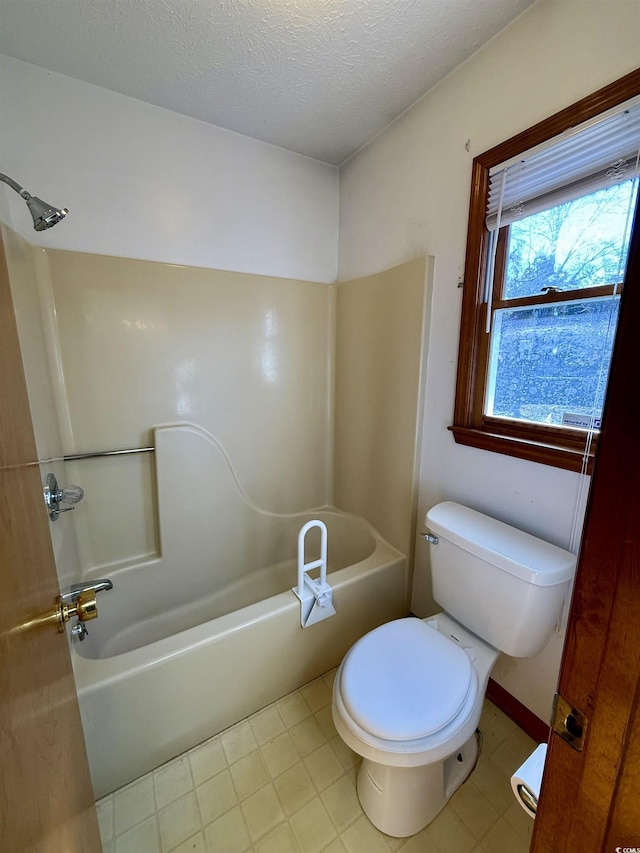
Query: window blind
(580,161)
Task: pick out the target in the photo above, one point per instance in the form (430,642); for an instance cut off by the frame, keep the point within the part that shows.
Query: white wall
(407,194)
(144,182)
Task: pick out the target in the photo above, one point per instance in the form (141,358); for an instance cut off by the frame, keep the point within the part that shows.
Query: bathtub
(169,662)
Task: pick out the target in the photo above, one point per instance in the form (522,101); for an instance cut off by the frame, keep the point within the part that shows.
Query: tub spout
(79,601)
(76,589)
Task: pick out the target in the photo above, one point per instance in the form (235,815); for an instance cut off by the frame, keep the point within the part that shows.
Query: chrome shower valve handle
(54,496)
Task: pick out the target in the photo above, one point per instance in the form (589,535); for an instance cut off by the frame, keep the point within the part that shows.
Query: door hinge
(568,722)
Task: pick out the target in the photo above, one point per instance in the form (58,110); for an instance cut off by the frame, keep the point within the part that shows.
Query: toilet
(408,695)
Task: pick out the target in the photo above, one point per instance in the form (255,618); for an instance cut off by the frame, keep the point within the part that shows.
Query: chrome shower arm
(15,186)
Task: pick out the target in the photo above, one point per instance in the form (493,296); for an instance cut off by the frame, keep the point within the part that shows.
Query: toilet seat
(428,677)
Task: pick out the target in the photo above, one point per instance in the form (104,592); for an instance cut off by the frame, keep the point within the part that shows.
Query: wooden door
(590,800)
(46,799)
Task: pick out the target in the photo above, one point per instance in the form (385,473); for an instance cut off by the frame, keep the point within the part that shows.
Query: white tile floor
(282,781)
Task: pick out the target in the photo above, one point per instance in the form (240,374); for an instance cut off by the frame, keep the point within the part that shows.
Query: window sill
(533,450)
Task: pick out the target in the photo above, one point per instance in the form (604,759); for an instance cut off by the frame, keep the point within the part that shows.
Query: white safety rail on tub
(316,596)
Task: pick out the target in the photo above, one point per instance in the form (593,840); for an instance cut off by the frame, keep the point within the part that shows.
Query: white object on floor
(527,779)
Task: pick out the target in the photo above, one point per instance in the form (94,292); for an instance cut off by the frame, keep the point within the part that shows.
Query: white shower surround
(209,631)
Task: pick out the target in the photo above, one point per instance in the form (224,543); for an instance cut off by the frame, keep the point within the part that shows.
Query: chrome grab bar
(77,589)
(73,457)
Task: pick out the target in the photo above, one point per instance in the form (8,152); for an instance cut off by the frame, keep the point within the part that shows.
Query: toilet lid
(405,680)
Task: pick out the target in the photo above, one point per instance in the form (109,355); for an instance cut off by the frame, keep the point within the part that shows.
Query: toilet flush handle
(430,538)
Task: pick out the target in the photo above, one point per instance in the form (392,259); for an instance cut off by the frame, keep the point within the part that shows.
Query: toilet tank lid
(505,547)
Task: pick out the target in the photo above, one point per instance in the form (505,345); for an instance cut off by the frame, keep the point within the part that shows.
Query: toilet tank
(505,585)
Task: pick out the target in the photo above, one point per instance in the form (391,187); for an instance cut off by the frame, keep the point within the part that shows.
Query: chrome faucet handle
(76,589)
(71,495)
(54,496)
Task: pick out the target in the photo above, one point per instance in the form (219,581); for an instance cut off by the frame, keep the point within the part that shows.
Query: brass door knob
(84,608)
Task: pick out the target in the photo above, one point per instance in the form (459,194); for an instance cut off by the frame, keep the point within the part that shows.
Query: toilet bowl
(408,696)
(418,748)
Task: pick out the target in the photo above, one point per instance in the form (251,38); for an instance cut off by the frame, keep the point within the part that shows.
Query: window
(548,240)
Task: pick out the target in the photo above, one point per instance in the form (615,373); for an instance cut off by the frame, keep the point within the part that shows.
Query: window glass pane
(550,363)
(582,243)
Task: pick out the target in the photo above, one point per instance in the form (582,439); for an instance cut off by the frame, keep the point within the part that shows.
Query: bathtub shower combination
(209,632)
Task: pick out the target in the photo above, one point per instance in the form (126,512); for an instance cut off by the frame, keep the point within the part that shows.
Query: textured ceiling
(321,77)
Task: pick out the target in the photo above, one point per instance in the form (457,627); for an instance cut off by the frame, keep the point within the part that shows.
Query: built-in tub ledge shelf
(73,457)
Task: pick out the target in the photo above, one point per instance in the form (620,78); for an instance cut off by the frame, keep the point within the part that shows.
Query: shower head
(44,215)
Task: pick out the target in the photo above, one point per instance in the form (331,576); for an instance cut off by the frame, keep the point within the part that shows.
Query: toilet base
(400,801)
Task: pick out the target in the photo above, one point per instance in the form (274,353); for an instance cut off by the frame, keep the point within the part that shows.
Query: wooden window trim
(538,443)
